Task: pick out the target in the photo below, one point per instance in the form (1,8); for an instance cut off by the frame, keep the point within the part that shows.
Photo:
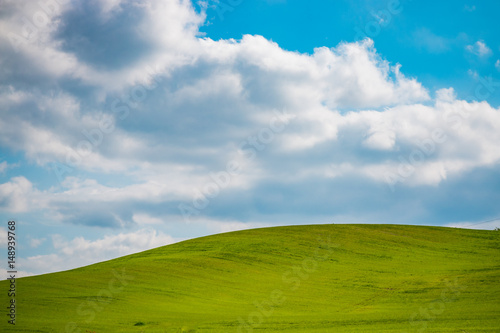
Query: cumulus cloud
(80,251)
(168,131)
(134,120)
(479,48)
(18,195)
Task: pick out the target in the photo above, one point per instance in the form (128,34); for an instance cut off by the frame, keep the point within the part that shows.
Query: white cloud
(479,48)
(3,167)
(446,95)
(426,39)
(217,226)
(154,178)
(463,148)
(19,274)
(206,104)
(36,242)
(253,76)
(380,135)
(145,219)
(497,64)
(474,74)
(18,195)
(80,251)
(3,245)
(3,237)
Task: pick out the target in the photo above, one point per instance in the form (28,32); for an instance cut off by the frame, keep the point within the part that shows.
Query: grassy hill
(315,278)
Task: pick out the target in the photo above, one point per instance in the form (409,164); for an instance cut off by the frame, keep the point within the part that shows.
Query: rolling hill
(314,278)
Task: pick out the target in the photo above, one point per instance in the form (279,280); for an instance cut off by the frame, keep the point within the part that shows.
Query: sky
(131,124)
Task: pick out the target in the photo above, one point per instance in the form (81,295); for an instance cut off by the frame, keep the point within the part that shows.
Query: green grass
(315,278)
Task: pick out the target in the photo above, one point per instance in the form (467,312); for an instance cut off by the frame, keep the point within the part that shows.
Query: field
(315,278)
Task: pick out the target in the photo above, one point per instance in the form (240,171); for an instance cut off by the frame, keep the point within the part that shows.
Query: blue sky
(428,38)
(127,125)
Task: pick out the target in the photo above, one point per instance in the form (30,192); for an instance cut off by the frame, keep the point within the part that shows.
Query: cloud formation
(134,113)
(480,49)
(81,252)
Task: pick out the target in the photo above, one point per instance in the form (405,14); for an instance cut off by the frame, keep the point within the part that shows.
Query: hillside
(314,278)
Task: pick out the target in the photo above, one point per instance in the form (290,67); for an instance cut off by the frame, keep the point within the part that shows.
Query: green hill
(314,278)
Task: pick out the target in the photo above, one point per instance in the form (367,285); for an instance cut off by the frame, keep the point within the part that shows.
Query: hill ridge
(312,278)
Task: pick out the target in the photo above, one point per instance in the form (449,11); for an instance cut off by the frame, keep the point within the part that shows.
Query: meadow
(313,278)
